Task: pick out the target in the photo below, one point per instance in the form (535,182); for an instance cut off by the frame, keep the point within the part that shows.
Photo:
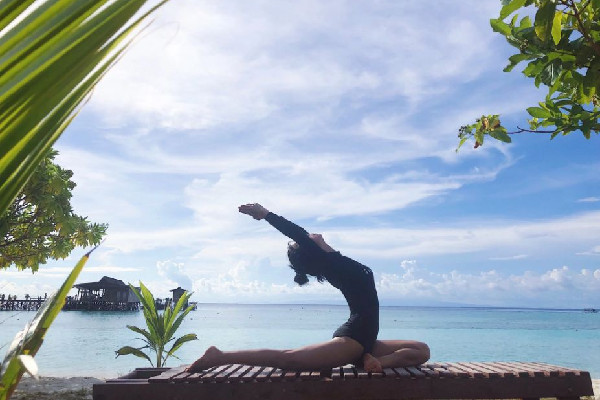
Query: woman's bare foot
(211,358)
(371,364)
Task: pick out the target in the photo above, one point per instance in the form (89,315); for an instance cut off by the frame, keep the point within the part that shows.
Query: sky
(341,116)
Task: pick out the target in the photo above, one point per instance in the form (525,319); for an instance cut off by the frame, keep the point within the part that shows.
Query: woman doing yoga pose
(353,342)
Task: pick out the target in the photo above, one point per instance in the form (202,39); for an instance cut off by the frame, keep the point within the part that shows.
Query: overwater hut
(108,294)
(177,293)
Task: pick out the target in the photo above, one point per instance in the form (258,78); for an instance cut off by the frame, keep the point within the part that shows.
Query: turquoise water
(83,343)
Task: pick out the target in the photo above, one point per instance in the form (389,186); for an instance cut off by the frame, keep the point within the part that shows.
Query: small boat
(590,310)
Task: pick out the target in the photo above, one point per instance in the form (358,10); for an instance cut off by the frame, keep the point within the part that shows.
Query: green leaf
(180,341)
(516,59)
(141,331)
(557,27)
(511,7)
(460,143)
(29,340)
(551,72)
(534,68)
(38,98)
(538,112)
(525,23)
(127,350)
(501,27)
(544,19)
(479,137)
(500,134)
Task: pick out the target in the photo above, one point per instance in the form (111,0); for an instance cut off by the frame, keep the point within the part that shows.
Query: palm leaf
(28,341)
(37,98)
(179,320)
(142,332)
(180,341)
(126,350)
(149,309)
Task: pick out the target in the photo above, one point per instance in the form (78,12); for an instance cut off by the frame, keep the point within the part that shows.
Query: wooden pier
(70,305)
(99,305)
(21,305)
(108,294)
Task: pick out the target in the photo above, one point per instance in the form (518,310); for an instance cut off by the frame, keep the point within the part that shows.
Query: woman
(353,342)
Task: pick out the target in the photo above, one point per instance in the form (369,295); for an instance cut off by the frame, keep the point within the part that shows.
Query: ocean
(84,343)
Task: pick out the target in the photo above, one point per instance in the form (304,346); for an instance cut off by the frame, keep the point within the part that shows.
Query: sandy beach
(80,388)
(46,388)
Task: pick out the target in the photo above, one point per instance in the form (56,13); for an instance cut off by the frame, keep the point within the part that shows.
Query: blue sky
(343,117)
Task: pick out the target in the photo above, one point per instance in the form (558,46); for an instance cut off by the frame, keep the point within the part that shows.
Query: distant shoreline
(453,307)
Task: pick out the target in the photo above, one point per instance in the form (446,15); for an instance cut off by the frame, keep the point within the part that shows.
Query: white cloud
(508,258)
(589,200)
(549,288)
(209,64)
(594,251)
(174,272)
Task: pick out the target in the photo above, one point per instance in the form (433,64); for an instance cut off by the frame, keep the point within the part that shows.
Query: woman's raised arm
(288,228)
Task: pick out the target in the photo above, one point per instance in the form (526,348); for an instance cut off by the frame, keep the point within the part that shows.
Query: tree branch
(521,130)
(595,46)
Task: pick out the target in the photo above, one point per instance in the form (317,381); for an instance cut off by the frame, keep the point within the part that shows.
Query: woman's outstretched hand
(254,210)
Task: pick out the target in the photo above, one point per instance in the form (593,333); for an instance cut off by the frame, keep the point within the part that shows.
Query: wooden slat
(276,375)
(554,370)
(263,375)
(473,372)
(504,371)
(442,370)
(316,375)
(494,372)
(450,368)
(197,376)
(479,369)
(416,372)
(517,369)
(211,374)
(362,374)
(547,369)
(336,373)
(429,371)
(236,376)
(251,374)
(290,375)
(167,375)
(536,371)
(508,370)
(349,372)
(557,367)
(389,373)
(183,377)
(402,372)
(223,376)
(304,375)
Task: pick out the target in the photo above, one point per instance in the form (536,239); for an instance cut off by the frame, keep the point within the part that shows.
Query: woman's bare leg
(338,351)
(400,353)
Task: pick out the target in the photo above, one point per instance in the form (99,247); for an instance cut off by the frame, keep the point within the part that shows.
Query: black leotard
(353,279)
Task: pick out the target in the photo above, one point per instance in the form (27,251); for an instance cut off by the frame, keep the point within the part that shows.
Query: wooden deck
(457,380)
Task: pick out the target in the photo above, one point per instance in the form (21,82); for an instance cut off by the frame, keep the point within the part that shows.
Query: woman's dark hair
(304,263)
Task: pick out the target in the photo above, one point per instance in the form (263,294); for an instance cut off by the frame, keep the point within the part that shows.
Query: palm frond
(49,63)
(28,341)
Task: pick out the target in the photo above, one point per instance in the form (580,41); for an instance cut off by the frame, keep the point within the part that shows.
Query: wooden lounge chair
(456,380)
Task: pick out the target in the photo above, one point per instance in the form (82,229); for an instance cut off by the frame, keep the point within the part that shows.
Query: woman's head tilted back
(304,263)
